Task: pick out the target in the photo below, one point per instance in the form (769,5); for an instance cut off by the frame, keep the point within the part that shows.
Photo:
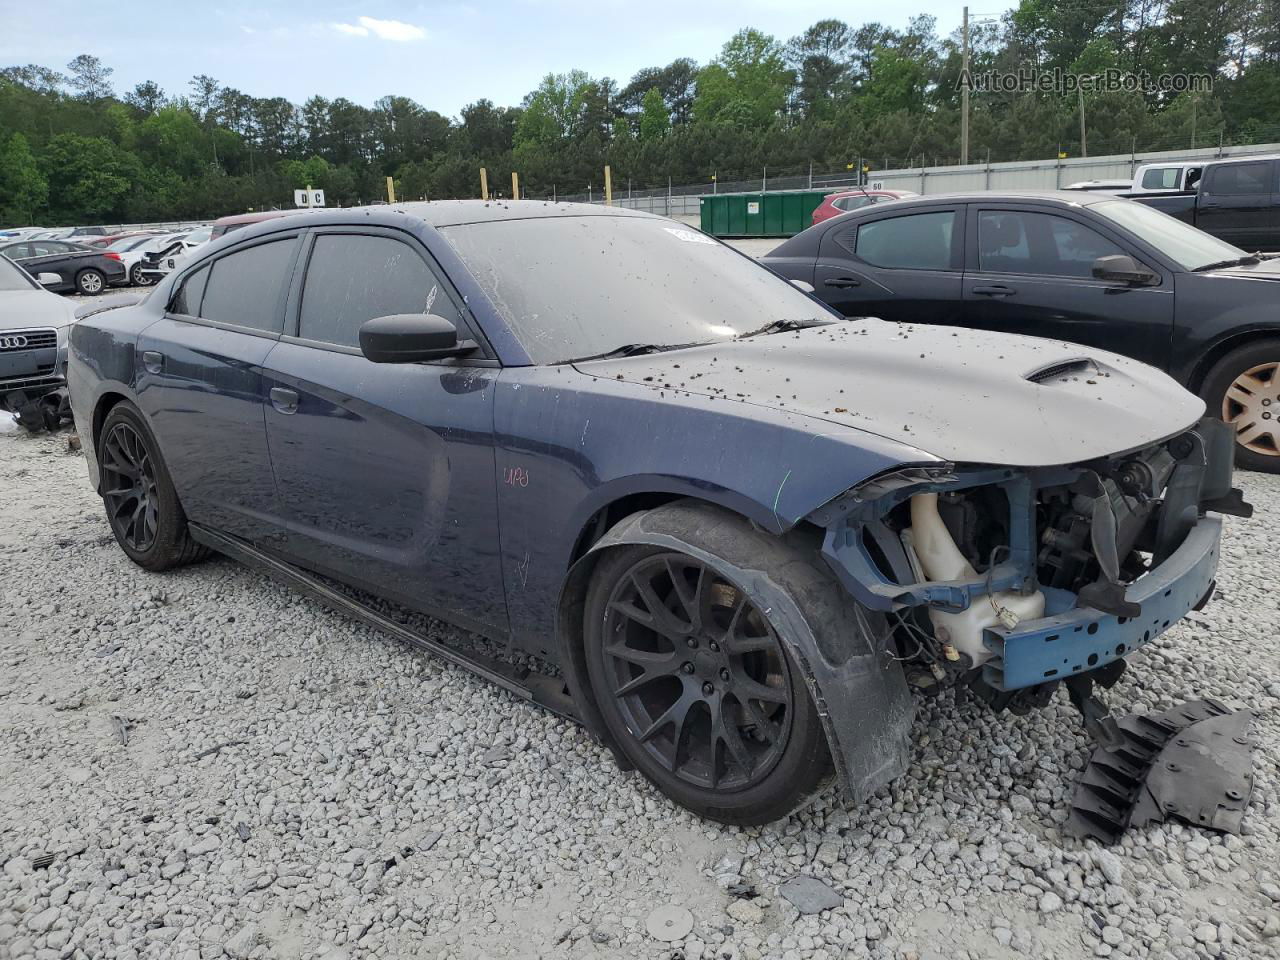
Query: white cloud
(395,30)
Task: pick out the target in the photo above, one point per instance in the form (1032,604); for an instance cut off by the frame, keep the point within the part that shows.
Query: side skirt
(550,693)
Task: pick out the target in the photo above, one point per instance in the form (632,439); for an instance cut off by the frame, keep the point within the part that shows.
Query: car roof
(863,191)
(253,217)
(449,213)
(1076,198)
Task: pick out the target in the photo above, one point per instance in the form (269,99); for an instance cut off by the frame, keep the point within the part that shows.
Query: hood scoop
(1061,368)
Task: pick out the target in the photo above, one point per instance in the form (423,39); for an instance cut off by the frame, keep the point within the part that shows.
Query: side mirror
(803,285)
(48,279)
(1124,269)
(410,338)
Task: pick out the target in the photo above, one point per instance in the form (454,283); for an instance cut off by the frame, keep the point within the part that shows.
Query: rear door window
(246,288)
(1240,179)
(352,278)
(921,241)
(1161,178)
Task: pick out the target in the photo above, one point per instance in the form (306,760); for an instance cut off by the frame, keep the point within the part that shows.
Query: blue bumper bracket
(1081,638)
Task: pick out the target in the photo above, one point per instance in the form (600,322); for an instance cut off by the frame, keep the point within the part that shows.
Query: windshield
(573,287)
(1190,248)
(13,277)
(126,243)
(199,236)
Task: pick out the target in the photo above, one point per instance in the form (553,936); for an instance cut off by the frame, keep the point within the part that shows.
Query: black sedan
(1095,270)
(669,487)
(82,269)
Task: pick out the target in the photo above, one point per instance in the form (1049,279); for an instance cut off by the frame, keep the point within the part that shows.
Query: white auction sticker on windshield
(689,236)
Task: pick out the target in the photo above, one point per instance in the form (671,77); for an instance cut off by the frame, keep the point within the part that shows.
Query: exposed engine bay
(1008,584)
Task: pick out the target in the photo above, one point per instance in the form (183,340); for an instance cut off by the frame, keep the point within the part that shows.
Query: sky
(443,54)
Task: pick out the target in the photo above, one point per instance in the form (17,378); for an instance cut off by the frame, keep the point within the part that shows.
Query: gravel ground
(297,786)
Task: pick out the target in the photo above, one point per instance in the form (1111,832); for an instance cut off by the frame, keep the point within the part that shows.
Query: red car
(838,203)
(107,239)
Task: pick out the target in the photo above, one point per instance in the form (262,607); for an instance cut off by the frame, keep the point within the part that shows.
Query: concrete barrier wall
(1043,174)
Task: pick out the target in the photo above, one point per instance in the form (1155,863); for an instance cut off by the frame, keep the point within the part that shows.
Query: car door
(200,383)
(54,256)
(903,265)
(1031,272)
(1237,203)
(386,471)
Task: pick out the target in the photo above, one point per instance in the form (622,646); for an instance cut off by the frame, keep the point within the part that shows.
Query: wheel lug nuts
(692,642)
(715,647)
(708,689)
(724,675)
(687,668)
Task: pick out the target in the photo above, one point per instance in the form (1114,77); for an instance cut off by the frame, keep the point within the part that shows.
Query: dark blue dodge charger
(727,530)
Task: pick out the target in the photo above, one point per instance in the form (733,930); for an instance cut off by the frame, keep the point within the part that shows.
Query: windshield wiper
(1246,260)
(632,350)
(784,326)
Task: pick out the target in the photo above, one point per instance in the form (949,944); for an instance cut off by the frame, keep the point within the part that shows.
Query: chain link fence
(1110,160)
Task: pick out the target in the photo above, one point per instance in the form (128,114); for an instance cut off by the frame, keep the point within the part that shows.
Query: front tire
(698,689)
(141,503)
(138,278)
(1243,388)
(90,283)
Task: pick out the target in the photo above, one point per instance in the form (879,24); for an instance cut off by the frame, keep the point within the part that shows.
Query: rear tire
(1243,388)
(748,747)
(90,283)
(141,503)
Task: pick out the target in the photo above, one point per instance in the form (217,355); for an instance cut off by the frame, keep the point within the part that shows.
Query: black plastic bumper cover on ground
(1193,763)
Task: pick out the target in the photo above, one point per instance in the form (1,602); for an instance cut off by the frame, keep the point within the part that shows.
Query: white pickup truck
(1167,177)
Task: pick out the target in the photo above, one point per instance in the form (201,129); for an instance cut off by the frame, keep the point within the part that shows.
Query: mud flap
(1192,763)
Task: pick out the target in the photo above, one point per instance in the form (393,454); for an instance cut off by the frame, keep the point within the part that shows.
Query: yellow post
(515,185)
(608,186)
(484,184)
(391,190)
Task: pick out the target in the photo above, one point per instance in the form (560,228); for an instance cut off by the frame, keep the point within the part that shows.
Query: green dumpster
(777,213)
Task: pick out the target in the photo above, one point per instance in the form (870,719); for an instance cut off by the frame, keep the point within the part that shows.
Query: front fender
(860,693)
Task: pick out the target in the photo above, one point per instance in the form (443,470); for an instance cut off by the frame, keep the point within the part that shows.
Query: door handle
(284,400)
(152,361)
(993,290)
(842,282)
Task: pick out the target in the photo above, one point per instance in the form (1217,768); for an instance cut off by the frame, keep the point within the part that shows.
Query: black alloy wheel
(129,487)
(698,674)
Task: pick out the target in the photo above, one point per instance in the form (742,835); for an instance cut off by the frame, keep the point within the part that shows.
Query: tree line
(74,150)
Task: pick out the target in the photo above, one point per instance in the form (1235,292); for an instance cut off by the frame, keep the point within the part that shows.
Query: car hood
(33,308)
(962,395)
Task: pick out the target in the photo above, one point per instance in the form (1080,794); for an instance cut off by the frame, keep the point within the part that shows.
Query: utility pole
(1084,148)
(964,90)
(1193,121)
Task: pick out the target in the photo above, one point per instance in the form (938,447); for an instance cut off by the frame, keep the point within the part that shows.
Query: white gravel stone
(377,830)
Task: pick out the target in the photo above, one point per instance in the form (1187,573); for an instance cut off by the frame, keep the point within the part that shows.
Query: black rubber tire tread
(86,293)
(173,546)
(1220,377)
(801,772)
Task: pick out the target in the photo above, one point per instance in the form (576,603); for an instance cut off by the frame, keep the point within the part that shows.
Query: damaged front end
(1011,582)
